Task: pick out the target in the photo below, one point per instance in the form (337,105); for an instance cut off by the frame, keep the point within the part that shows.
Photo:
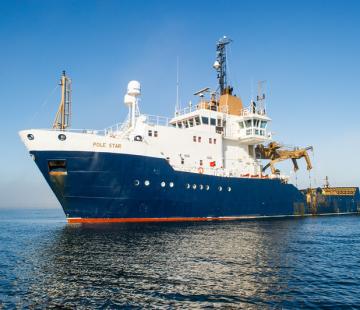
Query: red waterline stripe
(154,219)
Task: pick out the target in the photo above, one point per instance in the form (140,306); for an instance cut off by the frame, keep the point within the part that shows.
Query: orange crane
(275,153)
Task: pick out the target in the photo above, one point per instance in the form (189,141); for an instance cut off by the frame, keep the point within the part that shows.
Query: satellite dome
(134,88)
(216,65)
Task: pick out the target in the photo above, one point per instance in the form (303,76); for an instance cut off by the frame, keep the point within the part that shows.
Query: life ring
(201,170)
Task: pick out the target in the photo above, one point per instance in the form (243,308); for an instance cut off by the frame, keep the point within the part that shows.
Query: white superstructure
(216,136)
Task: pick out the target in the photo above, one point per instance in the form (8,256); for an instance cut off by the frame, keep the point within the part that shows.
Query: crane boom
(275,154)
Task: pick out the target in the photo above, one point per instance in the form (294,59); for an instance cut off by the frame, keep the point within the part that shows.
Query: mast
(220,65)
(63,115)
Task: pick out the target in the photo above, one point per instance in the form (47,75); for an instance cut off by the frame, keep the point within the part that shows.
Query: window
(210,140)
(182,161)
(197,120)
(248,123)
(212,121)
(155,133)
(62,137)
(214,141)
(179,124)
(241,125)
(248,132)
(186,125)
(256,131)
(199,139)
(205,120)
(150,133)
(256,122)
(194,138)
(201,162)
(191,122)
(263,124)
(219,122)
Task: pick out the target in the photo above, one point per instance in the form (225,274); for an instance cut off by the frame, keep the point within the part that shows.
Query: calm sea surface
(256,264)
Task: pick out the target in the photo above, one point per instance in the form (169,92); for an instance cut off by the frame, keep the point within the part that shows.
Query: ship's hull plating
(99,187)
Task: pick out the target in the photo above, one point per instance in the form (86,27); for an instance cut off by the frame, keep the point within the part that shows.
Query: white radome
(134,88)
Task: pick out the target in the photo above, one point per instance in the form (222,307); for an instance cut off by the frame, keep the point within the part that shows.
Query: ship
(213,160)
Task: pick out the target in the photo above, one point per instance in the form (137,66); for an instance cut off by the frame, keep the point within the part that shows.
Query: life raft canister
(201,170)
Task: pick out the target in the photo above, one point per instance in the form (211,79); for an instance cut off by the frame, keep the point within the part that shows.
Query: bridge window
(197,120)
(263,124)
(179,124)
(191,122)
(256,122)
(205,120)
(212,121)
(186,125)
(248,123)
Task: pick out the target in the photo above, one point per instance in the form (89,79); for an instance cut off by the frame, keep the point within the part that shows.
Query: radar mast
(63,115)
(220,65)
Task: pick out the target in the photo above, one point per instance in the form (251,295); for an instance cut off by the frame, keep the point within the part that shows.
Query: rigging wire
(45,102)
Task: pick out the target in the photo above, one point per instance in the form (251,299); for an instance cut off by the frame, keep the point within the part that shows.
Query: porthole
(30,136)
(229,189)
(194,186)
(201,187)
(61,137)
(171,184)
(187,186)
(147,182)
(136,182)
(162,184)
(220,188)
(207,187)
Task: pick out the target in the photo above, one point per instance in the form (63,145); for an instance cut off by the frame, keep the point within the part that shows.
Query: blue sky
(308,51)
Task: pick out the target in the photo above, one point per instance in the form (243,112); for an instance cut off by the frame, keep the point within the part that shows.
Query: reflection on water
(254,264)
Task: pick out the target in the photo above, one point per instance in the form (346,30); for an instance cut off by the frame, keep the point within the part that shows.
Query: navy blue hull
(108,185)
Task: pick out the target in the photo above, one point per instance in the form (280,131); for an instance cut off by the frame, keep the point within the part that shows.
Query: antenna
(63,115)
(260,98)
(220,65)
(177,107)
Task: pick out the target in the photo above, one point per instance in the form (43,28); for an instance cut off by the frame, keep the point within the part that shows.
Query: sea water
(311,262)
